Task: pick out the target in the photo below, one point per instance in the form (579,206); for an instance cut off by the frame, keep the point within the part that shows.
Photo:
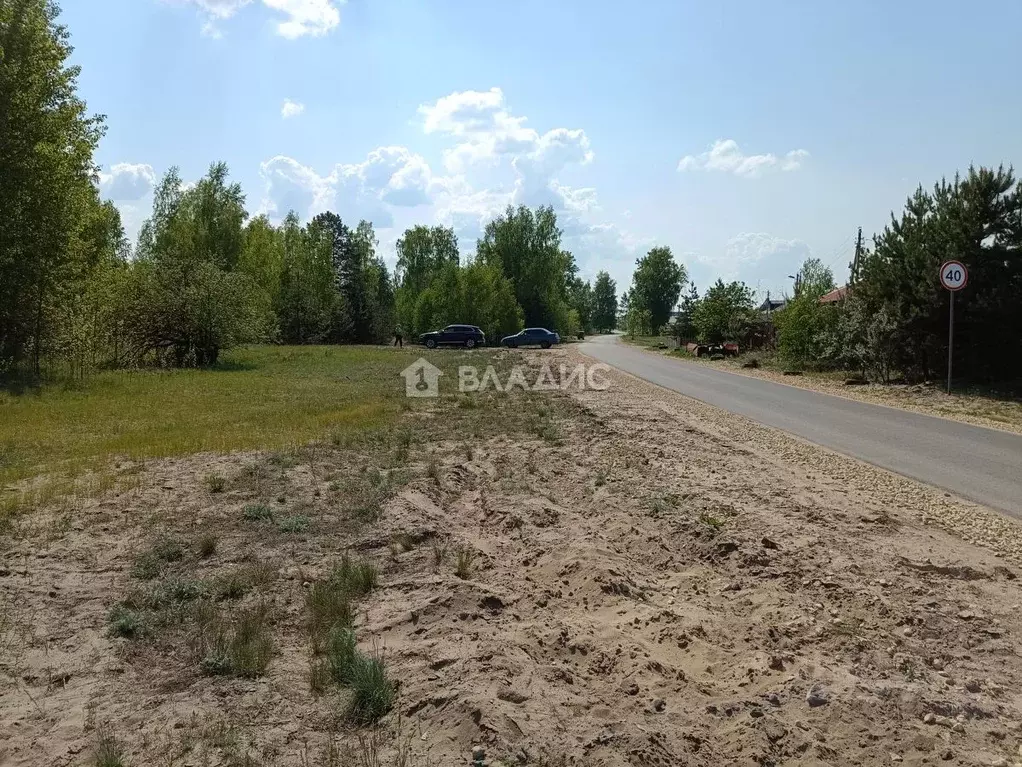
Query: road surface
(982,465)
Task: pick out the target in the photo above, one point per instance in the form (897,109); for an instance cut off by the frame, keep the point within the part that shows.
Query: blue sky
(744,135)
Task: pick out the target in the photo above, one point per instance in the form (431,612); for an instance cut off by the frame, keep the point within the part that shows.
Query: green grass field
(258,398)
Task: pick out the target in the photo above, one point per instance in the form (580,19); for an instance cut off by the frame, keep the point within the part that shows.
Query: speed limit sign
(954,275)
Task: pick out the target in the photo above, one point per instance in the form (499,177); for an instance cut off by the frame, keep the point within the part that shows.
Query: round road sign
(953,275)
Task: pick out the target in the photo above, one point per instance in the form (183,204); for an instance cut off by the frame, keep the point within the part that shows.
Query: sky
(745,135)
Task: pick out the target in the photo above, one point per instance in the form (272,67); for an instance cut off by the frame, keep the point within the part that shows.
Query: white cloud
(494,160)
(758,258)
(306,17)
(389,177)
(727,157)
(302,17)
(291,109)
(489,132)
(127,182)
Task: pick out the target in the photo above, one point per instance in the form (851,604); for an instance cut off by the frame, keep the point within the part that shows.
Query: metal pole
(950,338)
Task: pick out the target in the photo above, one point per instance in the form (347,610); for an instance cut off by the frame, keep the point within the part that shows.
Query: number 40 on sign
(953,276)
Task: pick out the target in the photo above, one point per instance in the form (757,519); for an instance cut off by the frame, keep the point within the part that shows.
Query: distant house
(772,305)
(837,295)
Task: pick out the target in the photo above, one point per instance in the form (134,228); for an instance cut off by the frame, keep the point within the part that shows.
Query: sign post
(953,276)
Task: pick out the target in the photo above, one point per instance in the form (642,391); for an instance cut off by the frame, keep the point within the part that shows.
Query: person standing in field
(399,337)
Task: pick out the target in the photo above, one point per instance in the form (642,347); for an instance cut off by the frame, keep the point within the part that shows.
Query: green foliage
(638,321)
(525,246)
(684,327)
(604,314)
(804,329)
(257,512)
(205,546)
(307,301)
(724,313)
(109,752)
(242,647)
(813,279)
(356,578)
(126,623)
(48,230)
(294,524)
(372,691)
(974,220)
(656,285)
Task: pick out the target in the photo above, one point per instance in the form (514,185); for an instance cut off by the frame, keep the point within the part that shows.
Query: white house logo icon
(422,379)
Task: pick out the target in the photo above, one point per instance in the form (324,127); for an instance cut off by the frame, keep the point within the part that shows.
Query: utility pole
(853,278)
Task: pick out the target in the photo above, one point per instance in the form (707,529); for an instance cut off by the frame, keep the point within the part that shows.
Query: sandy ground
(658,583)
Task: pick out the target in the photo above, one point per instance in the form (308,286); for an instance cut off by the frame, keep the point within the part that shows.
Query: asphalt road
(981,465)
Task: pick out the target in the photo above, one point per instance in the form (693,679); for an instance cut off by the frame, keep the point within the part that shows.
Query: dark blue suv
(532,337)
(468,336)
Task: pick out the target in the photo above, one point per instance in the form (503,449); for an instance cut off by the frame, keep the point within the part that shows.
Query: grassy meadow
(265,397)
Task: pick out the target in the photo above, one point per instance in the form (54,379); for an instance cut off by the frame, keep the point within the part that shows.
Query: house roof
(772,304)
(837,294)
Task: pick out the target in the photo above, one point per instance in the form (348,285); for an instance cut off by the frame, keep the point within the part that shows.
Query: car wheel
(430,343)
(546,344)
(470,343)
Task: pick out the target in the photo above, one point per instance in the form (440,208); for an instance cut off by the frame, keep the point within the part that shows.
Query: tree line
(204,276)
(892,319)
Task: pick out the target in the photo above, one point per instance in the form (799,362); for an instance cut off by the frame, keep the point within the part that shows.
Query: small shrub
(711,521)
(433,470)
(168,549)
(126,623)
(465,556)
(439,553)
(108,750)
(146,567)
(601,478)
(294,524)
(257,512)
(205,546)
(149,564)
(183,589)
(342,654)
(319,676)
(241,649)
(215,483)
(356,578)
(549,433)
(372,691)
(236,583)
(328,605)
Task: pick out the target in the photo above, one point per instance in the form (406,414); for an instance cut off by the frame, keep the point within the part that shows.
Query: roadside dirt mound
(639,588)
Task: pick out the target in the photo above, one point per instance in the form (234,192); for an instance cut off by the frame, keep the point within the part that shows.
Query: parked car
(532,337)
(468,336)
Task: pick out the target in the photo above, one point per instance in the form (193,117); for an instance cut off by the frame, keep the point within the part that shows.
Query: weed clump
(205,546)
(241,648)
(464,557)
(126,623)
(215,483)
(151,563)
(294,524)
(257,512)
